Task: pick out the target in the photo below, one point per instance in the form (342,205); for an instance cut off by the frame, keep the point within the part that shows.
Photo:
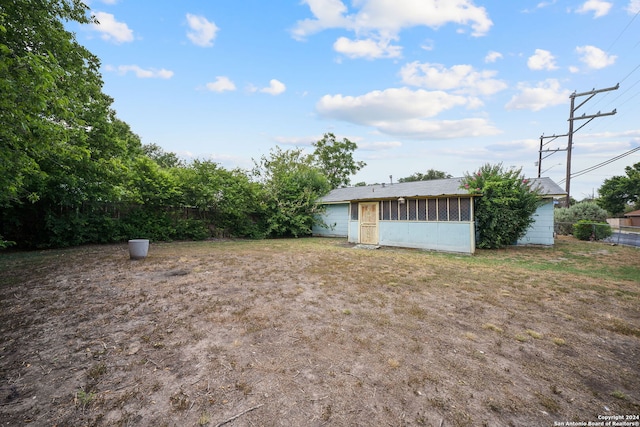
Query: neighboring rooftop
(430,188)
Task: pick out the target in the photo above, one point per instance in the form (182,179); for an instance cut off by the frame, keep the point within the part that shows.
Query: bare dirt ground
(314,332)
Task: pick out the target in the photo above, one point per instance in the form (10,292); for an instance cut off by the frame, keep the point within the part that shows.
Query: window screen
(354,211)
(442,210)
(403,211)
(422,210)
(412,204)
(465,209)
(385,210)
(432,210)
(394,210)
(454,211)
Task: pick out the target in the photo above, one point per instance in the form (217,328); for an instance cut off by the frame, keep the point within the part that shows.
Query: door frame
(376,225)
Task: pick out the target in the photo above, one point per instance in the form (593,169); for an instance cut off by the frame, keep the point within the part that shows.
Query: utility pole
(542,144)
(572,118)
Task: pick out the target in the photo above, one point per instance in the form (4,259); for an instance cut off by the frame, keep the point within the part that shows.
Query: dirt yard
(315,332)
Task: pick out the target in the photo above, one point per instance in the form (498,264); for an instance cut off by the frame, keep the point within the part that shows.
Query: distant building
(634,218)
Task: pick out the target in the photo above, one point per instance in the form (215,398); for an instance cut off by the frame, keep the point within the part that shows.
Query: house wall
(441,236)
(541,231)
(337,218)
(450,236)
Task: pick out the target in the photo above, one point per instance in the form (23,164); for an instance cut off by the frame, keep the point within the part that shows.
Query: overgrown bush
(565,218)
(505,210)
(588,230)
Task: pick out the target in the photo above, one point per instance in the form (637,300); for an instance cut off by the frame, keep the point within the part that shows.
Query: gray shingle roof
(431,188)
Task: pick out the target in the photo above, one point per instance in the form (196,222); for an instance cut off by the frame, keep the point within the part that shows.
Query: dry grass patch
(313,332)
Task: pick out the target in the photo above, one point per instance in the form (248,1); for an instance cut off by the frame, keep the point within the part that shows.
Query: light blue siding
(541,231)
(441,236)
(437,236)
(353,231)
(337,218)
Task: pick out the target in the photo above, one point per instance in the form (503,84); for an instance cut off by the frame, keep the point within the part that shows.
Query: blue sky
(417,84)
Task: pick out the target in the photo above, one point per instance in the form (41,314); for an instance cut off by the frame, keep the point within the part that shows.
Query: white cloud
(275,87)
(540,5)
(633,7)
(460,78)
(492,56)
(390,104)
(202,31)
(142,73)
(404,112)
(594,57)
(368,48)
(112,30)
(598,7)
(428,45)
(545,94)
(221,84)
(328,14)
(542,60)
(439,129)
(383,20)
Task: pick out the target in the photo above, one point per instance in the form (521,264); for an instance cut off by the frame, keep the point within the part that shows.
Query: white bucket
(138,248)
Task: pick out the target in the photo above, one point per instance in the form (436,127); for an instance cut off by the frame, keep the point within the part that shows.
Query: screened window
(412,206)
(403,211)
(394,210)
(454,209)
(465,209)
(385,211)
(422,210)
(432,210)
(354,211)
(440,209)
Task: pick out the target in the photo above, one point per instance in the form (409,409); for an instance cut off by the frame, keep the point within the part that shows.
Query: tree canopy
(335,159)
(429,175)
(621,193)
(51,95)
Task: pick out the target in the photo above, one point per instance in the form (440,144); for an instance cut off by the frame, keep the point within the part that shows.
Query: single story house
(434,215)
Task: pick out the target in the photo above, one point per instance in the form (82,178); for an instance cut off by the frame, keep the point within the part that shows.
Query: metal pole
(540,157)
(569,146)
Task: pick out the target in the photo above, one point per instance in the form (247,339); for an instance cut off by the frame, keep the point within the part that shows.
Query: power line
(599,165)
(623,30)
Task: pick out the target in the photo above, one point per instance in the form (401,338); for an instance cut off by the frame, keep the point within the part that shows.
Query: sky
(416,84)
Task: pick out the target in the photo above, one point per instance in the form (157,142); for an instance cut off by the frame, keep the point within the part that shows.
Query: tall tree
(429,175)
(335,159)
(620,193)
(292,185)
(50,87)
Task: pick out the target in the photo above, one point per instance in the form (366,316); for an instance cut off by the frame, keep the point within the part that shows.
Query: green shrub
(588,230)
(505,210)
(191,229)
(565,218)
(5,243)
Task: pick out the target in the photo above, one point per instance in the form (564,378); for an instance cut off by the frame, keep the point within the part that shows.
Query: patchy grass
(313,332)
